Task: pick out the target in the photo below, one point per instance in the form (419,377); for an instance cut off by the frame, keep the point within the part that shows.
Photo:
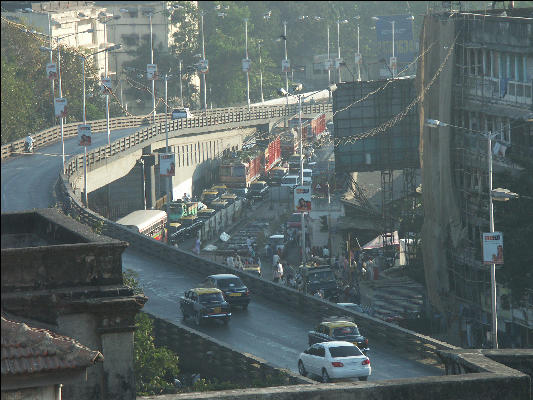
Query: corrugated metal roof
(27,350)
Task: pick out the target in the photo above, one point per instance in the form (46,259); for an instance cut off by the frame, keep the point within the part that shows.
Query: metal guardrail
(209,118)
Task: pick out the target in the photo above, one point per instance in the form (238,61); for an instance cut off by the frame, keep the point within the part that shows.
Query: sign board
(151,72)
(302,199)
(285,65)
(338,62)
(106,85)
(357,58)
(328,64)
(246,64)
(393,63)
(51,70)
(60,107)
(493,248)
(203,66)
(167,164)
(84,135)
(405,47)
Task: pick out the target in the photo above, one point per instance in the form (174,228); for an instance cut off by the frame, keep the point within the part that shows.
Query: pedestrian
(238,261)
(325,252)
(278,272)
(275,259)
(197,246)
(230,261)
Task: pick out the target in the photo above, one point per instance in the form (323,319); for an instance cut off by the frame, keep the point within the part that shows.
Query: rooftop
(27,350)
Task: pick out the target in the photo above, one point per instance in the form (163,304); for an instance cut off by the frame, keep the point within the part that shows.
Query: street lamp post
(359,55)
(261,74)
(247,69)
(494,194)
(181,84)
(151,62)
(339,22)
(286,73)
(167,151)
(203,58)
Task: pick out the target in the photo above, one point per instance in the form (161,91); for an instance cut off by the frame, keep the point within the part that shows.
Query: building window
(512,74)
(496,64)
(488,63)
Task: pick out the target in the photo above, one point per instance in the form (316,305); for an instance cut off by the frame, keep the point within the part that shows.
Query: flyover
(276,332)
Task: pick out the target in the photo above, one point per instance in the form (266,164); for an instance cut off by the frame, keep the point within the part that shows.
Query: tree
(155,367)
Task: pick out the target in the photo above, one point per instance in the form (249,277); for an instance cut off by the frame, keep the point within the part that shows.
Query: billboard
(285,66)
(51,70)
(246,64)
(395,147)
(167,164)
(405,47)
(84,135)
(493,248)
(302,199)
(151,72)
(60,107)
(106,85)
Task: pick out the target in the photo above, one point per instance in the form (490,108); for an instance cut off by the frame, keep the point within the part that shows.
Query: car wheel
(197,319)
(363,378)
(301,368)
(325,376)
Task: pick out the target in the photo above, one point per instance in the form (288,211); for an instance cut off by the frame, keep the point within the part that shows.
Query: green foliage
(155,367)
(97,227)
(515,219)
(131,279)
(27,103)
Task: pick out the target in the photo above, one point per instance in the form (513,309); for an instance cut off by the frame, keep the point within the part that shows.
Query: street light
(498,194)
(49,49)
(339,22)
(248,63)
(83,58)
(260,71)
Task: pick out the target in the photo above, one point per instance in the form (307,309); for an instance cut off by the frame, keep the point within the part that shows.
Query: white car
(178,113)
(334,360)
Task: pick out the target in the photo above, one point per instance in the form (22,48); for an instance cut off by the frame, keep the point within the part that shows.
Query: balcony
(500,91)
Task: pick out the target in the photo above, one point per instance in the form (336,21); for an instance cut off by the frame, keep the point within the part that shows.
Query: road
(266,330)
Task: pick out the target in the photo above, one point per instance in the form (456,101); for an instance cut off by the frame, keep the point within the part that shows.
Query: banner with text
(302,199)
(167,164)
(405,47)
(60,107)
(84,135)
(51,70)
(493,248)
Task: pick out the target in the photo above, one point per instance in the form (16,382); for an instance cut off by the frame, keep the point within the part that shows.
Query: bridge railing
(209,118)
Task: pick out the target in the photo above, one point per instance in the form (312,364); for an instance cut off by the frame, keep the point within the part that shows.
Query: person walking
(278,272)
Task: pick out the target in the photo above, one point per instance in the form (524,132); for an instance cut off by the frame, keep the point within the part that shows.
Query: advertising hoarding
(151,72)
(405,47)
(51,70)
(302,199)
(246,64)
(84,135)
(493,248)
(167,164)
(60,107)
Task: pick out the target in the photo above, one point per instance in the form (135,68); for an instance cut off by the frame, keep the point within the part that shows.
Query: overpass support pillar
(149,159)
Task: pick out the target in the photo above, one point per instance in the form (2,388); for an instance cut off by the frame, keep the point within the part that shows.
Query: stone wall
(211,358)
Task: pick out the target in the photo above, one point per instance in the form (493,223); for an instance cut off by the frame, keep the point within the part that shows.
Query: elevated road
(266,330)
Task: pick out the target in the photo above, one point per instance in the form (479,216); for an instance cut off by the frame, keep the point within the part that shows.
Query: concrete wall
(211,358)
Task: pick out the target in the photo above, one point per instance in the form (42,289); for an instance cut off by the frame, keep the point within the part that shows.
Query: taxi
(220,189)
(229,197)
(205,304)
(209,195)
(338,329)
(206,213)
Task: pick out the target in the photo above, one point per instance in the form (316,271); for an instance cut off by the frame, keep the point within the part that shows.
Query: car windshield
(211,297)
(230,283)
(345,351)
(322,276)
(345,331)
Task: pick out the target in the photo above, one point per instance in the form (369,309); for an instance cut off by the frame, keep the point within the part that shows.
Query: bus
(151,223)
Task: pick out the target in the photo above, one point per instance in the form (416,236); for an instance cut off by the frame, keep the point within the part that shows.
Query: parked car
(235,291)
(204,304)
(334,360)
(178,113)
(338,329)
(258,190)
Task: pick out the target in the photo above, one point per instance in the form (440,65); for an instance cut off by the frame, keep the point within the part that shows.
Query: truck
(313,126)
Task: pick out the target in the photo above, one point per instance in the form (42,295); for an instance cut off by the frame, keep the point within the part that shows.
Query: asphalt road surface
(266,329)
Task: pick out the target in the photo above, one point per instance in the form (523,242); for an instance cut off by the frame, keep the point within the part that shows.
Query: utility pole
(261,74)
(203,58)
(181,85)
(286,74)
(246,56)
(151,62)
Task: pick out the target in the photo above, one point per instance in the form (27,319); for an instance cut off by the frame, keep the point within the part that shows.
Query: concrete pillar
(150,186)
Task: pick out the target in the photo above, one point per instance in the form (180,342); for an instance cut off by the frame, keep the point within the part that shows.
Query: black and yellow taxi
(338,329)
(205,304)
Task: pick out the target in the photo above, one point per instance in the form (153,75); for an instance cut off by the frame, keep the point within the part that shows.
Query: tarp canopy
(377,242)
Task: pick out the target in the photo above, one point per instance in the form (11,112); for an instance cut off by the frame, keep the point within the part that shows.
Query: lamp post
(339,22)
(181,84)
(494,194)
(83,58)
(167,151)
(286,74)
(151,62)
(203,58)
(248,67)
(261,73)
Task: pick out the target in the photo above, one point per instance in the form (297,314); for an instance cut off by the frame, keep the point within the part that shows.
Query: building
(37,362)
(67,20)
(58,273)
(486,86)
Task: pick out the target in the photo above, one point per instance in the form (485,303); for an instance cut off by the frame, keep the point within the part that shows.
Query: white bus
(151,223)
